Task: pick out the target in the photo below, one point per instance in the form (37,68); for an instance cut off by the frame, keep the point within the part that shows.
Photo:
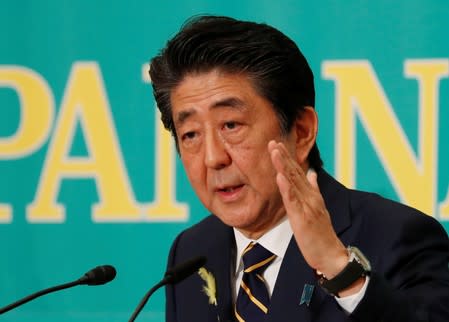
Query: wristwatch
(358,266)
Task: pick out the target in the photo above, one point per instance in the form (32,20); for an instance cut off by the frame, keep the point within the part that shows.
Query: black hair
(272,61)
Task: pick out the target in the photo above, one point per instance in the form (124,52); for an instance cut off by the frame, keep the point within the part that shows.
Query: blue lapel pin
(307,293)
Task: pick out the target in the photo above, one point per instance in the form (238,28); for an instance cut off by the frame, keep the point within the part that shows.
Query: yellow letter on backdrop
(428,74)
(358,92)
(85,101)
(36,116)
(164,207)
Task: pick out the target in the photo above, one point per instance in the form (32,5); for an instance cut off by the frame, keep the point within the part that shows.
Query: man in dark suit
(286,242)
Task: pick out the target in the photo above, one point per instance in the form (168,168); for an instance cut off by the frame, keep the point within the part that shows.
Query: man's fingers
(285,164)
(284,188)
(277,160)
(312,178)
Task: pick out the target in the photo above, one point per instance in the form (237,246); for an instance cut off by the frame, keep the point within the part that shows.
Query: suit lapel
(293,276)
(220,263)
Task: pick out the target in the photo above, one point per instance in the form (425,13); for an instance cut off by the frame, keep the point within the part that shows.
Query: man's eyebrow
(232,102)
(184,115)
(229,102)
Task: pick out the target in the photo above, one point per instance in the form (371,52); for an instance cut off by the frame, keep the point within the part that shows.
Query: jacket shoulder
(205,237)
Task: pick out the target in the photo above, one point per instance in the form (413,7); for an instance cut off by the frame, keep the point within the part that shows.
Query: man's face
(223,127)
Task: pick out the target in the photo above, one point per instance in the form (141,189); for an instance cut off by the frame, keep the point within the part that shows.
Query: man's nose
(216,155)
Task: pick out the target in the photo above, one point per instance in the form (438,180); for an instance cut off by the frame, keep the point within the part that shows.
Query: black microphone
(172,276)
(97,276)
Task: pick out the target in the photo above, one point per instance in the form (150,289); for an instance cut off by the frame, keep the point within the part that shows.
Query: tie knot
(256,258)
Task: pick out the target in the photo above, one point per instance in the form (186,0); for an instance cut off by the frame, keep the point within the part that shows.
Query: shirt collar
(276,240)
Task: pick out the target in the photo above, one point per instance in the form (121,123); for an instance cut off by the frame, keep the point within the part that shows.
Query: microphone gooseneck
(172,276)
(97,276)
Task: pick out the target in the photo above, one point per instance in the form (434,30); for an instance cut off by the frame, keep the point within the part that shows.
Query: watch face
(356,254)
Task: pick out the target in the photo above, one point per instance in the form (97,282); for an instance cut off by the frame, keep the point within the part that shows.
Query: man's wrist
(351,278)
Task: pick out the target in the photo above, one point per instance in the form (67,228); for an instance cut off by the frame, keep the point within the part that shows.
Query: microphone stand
(98,276)
(37,294)
(146,297)
(172,276)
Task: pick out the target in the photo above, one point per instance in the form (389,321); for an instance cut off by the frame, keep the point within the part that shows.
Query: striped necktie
(253,299)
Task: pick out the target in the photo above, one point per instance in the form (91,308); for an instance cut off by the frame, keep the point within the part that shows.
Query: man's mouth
(229,194)
(230,189)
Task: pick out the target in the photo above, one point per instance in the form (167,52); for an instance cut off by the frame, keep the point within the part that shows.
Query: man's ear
(306,127)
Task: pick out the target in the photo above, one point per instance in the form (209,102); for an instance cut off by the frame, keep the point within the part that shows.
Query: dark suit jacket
(408,251)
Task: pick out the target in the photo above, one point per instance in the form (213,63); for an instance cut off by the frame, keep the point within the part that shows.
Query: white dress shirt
(276,241)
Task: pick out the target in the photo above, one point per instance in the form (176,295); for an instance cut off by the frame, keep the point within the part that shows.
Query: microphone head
(179,272)
(99,275)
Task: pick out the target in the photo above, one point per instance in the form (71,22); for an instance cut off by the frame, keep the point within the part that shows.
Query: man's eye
(188,135)
(230,125)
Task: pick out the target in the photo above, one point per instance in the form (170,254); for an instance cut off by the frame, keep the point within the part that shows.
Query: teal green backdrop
(87,177)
